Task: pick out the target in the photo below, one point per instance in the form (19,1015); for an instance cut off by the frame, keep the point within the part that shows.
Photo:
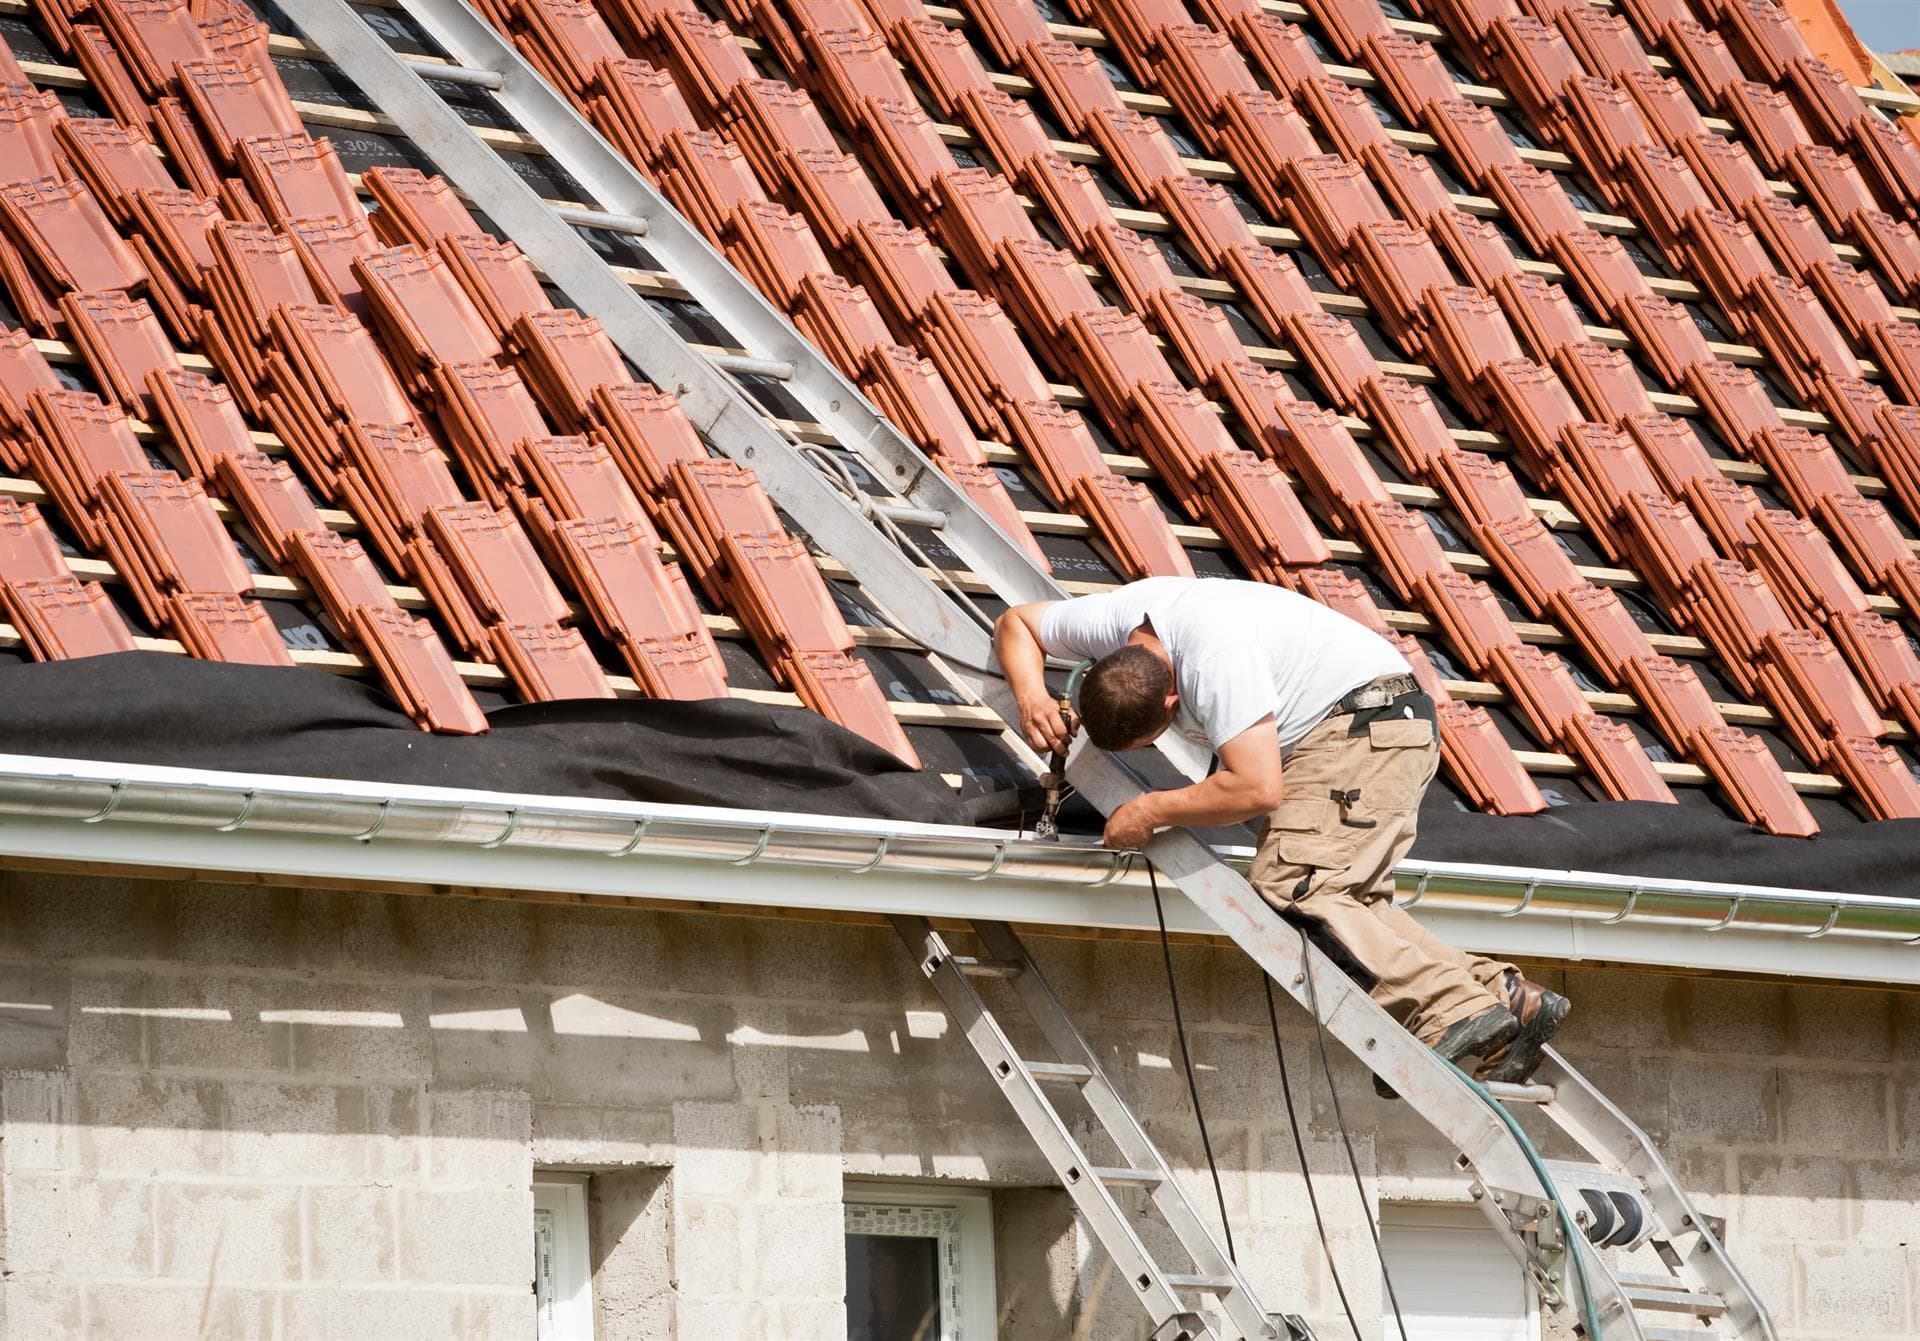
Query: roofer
(1319,728)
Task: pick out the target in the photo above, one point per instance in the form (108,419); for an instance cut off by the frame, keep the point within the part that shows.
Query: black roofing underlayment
(150,708)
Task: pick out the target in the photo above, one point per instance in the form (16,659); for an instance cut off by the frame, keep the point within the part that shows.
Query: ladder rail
(739,307)
(1137,1149)
(1598,1125)
(1090,1195)
(719,408)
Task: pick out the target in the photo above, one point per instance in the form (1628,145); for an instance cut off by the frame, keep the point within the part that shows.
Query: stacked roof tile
(1571,345)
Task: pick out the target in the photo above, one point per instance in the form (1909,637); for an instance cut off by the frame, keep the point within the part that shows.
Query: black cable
(1300,1149)
(1359,1185)
(1193,1088)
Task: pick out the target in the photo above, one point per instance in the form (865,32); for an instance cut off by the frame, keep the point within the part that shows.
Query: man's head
(1127,699)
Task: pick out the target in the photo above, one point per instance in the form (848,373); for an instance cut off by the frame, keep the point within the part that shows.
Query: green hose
(1567,1227)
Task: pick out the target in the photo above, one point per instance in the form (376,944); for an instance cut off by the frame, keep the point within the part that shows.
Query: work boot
(1541,1011)
(1476,1035)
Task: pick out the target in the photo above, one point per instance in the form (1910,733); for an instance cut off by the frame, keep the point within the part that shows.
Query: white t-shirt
(1240,650)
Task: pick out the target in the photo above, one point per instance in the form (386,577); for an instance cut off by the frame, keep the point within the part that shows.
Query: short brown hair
(1123,699)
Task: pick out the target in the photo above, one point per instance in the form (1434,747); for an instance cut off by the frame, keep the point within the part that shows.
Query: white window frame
(961,1220)
(561,1256)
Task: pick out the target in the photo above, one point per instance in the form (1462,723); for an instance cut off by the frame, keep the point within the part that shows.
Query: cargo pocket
(1309,831)
(1400,762)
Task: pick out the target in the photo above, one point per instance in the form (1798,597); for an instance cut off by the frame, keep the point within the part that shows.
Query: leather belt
(1376,693)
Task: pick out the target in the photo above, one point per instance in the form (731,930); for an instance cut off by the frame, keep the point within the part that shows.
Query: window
(1454,1277)
(562,1268)
(919,1263)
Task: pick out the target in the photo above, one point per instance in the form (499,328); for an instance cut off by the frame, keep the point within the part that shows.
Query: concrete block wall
(255,1112)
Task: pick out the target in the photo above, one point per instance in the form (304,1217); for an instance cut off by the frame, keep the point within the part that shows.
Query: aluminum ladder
(1701,1280)
(1168,1296)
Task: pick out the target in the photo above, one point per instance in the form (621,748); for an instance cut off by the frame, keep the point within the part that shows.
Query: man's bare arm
(1246,784)
(1023,660)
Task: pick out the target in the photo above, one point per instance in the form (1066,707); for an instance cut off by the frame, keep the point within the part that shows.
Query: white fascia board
(1038,903)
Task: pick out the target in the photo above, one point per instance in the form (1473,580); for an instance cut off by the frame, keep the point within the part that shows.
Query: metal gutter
(333,829)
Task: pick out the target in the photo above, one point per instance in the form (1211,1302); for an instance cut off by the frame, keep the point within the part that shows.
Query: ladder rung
(1648,1282)
(613,223)
(1664,1301)
(1200,1282)
(1060,1071)
(1673,1334)
(1520,1094)
(976,967)
(780,370)
(911,516)
(1138,1177)
(443,73)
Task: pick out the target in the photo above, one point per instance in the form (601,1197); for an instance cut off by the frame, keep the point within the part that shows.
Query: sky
(1885,25)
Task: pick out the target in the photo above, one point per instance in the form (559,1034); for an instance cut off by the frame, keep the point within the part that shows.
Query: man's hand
(1132,825)
(1044,725)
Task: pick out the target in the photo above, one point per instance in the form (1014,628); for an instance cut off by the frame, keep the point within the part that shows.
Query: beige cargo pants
(1327,856)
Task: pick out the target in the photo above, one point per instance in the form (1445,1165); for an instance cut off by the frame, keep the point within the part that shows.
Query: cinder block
(372,1314)
(34,1019)
(357,1030)
(631,1227)
(1834,1110)
(296,1131)
(108,1025)
(737,1319)
(1854,1287)
(1727,1017)
(148,1124)
(216,1023)
(814,1321)
(1236,1074)
(1616,1009)
(807,1142)
(480,1136)
(37,1108)
(352,1233)
(1841,1023)
(826,961)
(183,1308)
(472,940)
(396,1131)
(79,1226)
(601,1135)
(1906,1098)
(1884,1207)
(1035,1263)
(1791,1198)
(39,1306)
(496,1316)
(630,1048)
(1724,1101)
(1284,1266)
(599,947)
(761,1042)
(53,917)
(234,1233)
(486,1036)
(715,1247)
(242,926)
(802,1251)
(719,1151)
(707,956)
(467,1236)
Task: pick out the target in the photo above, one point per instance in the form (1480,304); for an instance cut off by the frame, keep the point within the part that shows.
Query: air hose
(1571,1231)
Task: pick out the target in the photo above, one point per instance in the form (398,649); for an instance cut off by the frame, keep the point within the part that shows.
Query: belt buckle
(1369,697)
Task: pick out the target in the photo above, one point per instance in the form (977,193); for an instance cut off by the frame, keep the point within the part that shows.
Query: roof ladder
(1625,1197)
